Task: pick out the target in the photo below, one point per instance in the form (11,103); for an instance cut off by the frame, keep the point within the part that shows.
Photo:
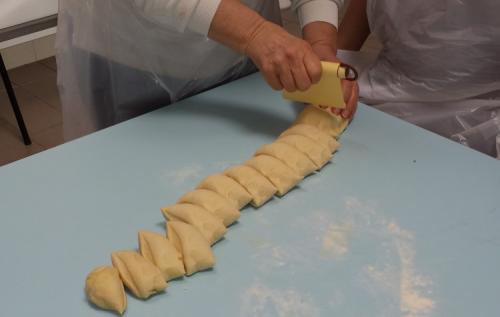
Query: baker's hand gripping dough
(210,226)
(213,202)
(104,289)
(162,253)
(293,158)
(282,176)
(317,153)
(139,275)
(196,252)
(332,124)
(228,188)
(254,182)
(313,133)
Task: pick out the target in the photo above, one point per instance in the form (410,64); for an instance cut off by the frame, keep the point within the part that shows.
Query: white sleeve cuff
(318,10)
(202,16)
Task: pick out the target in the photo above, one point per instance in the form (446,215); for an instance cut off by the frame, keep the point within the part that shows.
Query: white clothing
(121,58)
(196,15)
(439,67)
(318,10)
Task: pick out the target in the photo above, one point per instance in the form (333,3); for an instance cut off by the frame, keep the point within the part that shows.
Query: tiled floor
(36,91)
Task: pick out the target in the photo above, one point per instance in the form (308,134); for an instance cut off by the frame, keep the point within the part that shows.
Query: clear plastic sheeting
(439,67)
(115,63)
(472,122)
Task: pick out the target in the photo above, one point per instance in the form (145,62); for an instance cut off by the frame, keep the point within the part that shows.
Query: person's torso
(438,49)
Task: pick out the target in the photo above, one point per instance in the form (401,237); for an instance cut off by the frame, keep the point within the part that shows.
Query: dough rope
(200,217)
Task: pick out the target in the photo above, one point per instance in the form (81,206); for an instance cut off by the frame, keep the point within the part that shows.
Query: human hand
(287,62)
(350,89)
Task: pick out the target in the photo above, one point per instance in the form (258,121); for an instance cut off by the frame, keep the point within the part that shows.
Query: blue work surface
(401,223)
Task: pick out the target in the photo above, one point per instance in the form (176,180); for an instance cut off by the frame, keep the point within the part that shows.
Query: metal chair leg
(13,102)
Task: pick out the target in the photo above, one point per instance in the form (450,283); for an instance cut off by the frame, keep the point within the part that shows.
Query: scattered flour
(389,276)
(393,275)
(184,174)
(401,281)
(414,302)
(336,240)
(259,300)
(222,165)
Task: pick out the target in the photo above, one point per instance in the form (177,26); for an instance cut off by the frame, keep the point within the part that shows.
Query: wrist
(325,52)
(235,25)
(253,31)
(322,37)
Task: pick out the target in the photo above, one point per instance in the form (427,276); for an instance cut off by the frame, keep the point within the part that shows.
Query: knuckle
(315,74)
(267,68)
(304,86)
(279,59)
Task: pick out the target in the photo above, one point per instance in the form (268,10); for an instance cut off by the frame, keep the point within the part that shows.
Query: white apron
(114,63)
(439,67)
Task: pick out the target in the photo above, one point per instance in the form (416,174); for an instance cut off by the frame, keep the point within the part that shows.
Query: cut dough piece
(162,253)
(104,289)
(282,176)
(140,276)
(213,202)
(210,226)
(333,125)
(228,188)
(293,158)
(317,153)
(313,133)
(254,182)
(196,252)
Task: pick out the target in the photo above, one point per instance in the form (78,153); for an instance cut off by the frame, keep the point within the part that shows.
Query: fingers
(305,68)
(352,103)
(271,77)
(336,111)
(286,76)
(286,61)
(301,76)
(351,96)
(274,82)
(313,67)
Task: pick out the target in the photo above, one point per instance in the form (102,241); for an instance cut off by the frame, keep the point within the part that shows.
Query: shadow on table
(245,114)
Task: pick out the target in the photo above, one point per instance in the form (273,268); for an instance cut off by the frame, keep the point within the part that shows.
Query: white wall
(13,12)
(29,52)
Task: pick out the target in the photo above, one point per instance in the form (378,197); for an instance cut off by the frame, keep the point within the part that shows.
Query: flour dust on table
(390,276)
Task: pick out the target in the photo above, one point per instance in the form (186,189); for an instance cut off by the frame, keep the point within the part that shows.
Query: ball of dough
(162,253)
(140,276)
(104,289)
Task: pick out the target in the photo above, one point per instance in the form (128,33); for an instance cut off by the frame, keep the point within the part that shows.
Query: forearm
(321,36)
(234,25)
(319,21)
(354,28)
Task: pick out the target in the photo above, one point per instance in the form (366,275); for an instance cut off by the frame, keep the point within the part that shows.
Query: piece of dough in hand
(282,176)
(228,188)
(210,226)
(315,134)
(293,158)
(317,153)
(104,288)
(139,275)
(162,253)
(196,252)
(332,124)
(212,202)
(254,182)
